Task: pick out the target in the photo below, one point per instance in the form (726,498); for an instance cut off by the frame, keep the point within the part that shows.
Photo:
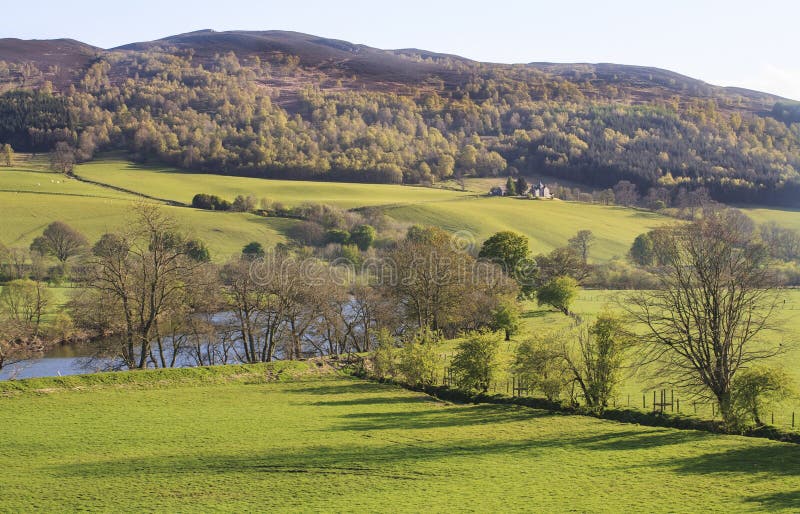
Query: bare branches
(716,297)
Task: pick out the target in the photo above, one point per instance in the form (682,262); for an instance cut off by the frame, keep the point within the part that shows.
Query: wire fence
(664,401)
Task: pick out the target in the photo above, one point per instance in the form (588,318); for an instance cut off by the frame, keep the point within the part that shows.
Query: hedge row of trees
(217,116)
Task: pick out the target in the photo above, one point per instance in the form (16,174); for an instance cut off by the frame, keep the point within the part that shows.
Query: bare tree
(715,298)
(62,158)
(141,275)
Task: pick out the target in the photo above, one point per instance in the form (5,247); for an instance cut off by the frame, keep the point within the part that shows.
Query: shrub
(476,361)
(419,358)
(384,356)
(754,391)
(210,202)
(540,364)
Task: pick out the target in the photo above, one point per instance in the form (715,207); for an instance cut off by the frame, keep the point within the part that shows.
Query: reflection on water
(61,360)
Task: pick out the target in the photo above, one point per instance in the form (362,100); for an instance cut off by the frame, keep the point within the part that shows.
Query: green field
(31,198)
(548,224)
(343,445)
(541,320)
(171,184)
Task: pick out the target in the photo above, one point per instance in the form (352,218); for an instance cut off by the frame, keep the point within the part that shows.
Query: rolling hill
(286,105)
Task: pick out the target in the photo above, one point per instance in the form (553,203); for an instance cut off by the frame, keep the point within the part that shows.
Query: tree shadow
(773,458)
(636,439)
(443,416)
(786,501)
(377,400)
(394,460)
(342,386)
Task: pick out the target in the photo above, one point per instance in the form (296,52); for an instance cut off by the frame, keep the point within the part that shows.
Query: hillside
(31,198)
(548,224)
(231,441)
(286,105)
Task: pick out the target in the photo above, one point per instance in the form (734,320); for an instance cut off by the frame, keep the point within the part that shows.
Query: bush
(363,237)
(539,363)
(754,391)
(384,356)
(419,358)
(210,202)
(476,361)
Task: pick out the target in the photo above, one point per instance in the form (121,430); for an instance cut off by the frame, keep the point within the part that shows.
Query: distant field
(786,217)
(337,445)
(25,215)
(32,197)
(169,183)
(548,224)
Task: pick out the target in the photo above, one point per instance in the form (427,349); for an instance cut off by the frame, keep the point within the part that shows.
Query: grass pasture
(548,224)
(180,186)
(343,445)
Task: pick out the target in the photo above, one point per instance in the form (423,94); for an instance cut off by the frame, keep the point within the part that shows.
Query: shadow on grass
(775,459)
(483,414)
(341,386)
(636,439)
(396,460)
(536,314)
(787,501)
(377,400)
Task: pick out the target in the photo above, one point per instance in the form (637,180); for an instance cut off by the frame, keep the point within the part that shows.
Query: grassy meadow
(31,198)
(548,224)
(543,320)
(160,441)
(180,186)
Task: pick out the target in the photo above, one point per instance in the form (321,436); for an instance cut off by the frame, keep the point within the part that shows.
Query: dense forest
(234,110)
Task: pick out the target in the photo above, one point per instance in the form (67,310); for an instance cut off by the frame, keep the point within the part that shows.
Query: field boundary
(630,416)
(127,191)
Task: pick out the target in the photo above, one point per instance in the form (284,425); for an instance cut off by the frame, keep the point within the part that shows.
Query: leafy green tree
(253,250)
(511,187)
(337,236)
(755,391)
(476,361)
(505,317)
(419,358)
(642,251)
(198,251)
(363,236)
(595,361)
(558,293)
(7,154)
(506,248)
(522,185)
(384,356)
(539,362)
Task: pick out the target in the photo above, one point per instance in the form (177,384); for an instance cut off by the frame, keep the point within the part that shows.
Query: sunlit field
(166,442)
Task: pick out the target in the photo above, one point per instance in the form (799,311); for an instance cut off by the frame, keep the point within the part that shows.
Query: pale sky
(753,44)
